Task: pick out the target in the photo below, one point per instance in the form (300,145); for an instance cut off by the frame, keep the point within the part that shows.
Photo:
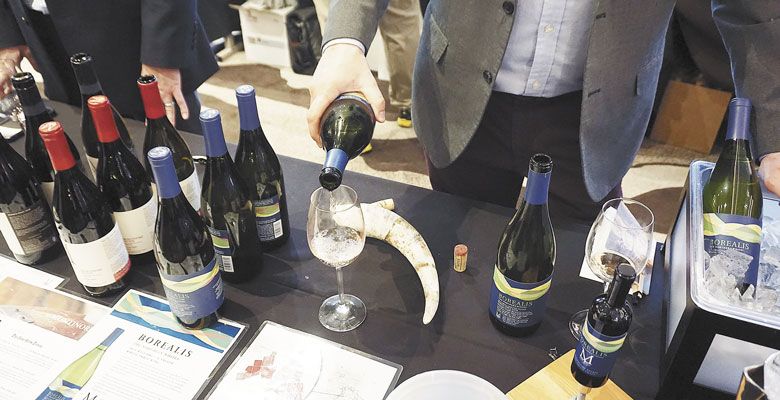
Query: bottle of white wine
(346,130)
(78,373)
(732,198)
(526,254)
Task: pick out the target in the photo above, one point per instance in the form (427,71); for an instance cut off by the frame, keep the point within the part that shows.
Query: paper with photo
(285,364)
(24,273)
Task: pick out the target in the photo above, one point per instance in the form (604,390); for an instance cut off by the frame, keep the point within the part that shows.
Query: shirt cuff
(351,41)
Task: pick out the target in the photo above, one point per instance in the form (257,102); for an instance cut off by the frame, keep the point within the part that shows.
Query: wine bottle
(732,197)
(89,85)
(346,129)
(123,181)
(76,375)
(36,114)
(83,217)
(259,167)
(25,217)
(183,250)
(160,132)
(604,332)
(526,255)
(228,212)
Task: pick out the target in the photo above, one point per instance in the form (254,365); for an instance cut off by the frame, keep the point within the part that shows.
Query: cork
(461,256)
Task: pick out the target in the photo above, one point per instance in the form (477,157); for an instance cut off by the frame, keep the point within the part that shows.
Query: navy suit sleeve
(169,33)
(751,33)
(10,35)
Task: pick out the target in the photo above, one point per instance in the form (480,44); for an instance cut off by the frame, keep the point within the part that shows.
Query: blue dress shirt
(545,56)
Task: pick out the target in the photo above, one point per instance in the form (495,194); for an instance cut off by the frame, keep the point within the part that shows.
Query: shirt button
(548,28)
(535,84)
(488,76)
(508,7)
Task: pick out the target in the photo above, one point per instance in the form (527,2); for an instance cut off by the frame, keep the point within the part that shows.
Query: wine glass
(621,234)
(336,235)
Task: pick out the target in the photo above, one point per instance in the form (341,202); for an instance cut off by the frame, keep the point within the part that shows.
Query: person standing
(126,39)
(496,81)
(400,30)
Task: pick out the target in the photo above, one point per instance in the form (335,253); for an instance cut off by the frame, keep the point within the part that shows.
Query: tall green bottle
(526,255)
(732,198)
(68,383)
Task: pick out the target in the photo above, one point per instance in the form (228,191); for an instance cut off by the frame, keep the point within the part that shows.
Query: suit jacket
(120,35)
(463,42)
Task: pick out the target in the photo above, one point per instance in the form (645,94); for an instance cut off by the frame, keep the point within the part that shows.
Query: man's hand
(169,84)
(342,68)
(770,172)
(10,58)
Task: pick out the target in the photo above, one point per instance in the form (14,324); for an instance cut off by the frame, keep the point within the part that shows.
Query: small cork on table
(461,256)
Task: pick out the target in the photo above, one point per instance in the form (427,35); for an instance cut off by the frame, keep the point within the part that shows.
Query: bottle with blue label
(732,200)
(183,250)
(526,255)
(605,331)
(227,208)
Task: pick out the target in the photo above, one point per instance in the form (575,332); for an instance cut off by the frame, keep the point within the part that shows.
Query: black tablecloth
(293,283)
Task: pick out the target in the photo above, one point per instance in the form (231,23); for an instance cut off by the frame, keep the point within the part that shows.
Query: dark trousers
(514,128)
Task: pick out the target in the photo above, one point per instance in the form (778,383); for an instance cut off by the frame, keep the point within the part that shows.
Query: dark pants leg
(513,129)
(192,124)
(60,59)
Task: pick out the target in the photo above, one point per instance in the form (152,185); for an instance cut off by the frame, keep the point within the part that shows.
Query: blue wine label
(195,295)
(596,353)
(268,217)
(518,304)
(726,232)
(60,389)
(223,246)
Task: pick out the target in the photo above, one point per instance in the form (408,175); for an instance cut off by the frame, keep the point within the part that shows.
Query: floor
(656,178)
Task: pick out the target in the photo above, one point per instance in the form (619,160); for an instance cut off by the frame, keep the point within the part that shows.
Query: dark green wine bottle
(732,197)
(526,255)
(346,129)
(604,331)
(227,209)
(260,169)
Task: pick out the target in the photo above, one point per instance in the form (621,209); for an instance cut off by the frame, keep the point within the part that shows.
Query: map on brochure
(59,346)
(282,363)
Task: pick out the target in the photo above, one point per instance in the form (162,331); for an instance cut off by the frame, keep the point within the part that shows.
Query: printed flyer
(282,363)
(58,346)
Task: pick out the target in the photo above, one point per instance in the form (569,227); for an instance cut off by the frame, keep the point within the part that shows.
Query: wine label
(268,217)
(48,191)
(223,246)
(194,295)
(518,304)
(596,353)
(725,232)
(190,186)
(60,389)
(29,231)
(101,262)
(137,227)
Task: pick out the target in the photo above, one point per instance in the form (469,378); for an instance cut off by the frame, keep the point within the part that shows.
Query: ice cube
(733,262)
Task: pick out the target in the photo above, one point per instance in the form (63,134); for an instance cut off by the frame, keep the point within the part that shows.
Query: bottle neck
(618,292)
(537,188)
(247,113)
(153,104)
(32,104)
(336,158)
(61,157)
(168,185)
(738,122)
(112,337)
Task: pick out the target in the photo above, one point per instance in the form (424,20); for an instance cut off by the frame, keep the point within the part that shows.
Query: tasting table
(292,284)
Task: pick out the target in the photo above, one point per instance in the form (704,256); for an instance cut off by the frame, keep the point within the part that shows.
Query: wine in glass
(621,234)
(336,234)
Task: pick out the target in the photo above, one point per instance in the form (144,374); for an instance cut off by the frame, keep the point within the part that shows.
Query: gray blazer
(463,42)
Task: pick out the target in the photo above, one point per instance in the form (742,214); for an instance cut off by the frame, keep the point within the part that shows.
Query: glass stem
(340,278)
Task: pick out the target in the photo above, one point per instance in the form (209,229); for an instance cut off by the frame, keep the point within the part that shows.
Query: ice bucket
(707,342)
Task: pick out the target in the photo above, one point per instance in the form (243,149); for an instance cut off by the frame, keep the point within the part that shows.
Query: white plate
(446,385)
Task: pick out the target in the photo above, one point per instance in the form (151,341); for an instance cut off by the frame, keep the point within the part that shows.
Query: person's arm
(343,66)
(751,33)
(168,36)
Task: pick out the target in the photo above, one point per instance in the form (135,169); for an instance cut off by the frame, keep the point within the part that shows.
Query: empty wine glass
(622,233)
(336,235)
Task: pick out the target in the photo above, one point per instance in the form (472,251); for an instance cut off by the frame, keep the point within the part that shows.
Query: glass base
(342,317)
(576,322)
